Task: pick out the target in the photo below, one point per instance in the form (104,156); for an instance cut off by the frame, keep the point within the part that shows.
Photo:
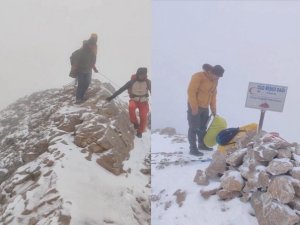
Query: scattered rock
(206,193)
(180,197)
(228,195)
(201,178)
(168,131)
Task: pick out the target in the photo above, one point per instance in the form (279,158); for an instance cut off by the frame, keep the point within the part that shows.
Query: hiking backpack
(148,86)
(74,58)
(226,135)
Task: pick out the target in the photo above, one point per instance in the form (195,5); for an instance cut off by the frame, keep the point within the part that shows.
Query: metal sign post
(265,97)
(261,120)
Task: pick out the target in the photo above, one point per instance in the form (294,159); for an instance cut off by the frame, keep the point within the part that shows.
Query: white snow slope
(166,179)
(91,194)
(98,195)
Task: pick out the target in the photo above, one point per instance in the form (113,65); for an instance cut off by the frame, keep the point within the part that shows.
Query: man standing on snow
(83,62)
(138,88)
(202,92)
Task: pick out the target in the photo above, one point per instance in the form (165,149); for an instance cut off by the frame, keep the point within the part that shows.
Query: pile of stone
(263,170)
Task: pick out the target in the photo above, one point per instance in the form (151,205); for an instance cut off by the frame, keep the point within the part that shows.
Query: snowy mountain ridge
(72,164)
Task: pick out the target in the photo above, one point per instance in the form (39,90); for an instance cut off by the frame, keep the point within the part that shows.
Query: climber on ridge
(139,87)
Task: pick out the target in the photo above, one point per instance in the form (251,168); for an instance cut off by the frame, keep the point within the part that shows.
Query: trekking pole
(208,120)
(116,85)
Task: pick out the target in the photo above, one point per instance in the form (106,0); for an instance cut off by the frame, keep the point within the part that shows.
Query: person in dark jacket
(138,88)
(83,63)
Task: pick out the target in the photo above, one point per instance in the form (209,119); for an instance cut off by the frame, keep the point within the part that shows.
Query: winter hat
(93,38)
(207,67)
(141,70)
(218,70)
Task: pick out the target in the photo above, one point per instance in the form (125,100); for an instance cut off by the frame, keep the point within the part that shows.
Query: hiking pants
(84,81)
(197,126)
(143,108)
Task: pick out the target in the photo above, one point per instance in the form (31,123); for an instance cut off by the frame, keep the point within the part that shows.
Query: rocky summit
(263,170)
(52,150)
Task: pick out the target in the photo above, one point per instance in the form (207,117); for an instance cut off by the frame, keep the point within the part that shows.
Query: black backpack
(226,135)
(74,58)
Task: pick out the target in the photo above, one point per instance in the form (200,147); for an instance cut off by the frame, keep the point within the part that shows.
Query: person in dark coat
(83,63)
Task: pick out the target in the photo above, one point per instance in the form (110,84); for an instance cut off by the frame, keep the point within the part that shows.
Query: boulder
(282,189)
(284,153)
(279,166)
(232,181)
(296,173)
(236,158)
(270,212)
(264,154)
(217,166)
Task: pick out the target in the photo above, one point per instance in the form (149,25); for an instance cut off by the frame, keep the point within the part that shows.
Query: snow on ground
(167,178)
(96,194)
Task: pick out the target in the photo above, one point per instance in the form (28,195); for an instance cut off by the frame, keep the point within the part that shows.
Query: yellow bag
(215,127)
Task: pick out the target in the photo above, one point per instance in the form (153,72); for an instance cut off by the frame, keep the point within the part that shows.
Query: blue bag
(226,135)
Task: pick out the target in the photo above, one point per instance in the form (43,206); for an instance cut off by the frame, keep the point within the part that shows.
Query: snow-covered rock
(270,212)
(282,189)
(59,161)
(279,166)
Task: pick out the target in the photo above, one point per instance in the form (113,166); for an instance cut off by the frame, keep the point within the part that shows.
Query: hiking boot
(195,152)
(202,146)
(139,134)
(79,101)
(136,126)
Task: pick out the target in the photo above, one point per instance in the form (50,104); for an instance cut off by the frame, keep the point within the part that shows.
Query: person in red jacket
(138,88)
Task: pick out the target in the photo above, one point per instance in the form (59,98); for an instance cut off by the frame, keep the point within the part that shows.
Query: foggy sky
(255,41)
(38,37)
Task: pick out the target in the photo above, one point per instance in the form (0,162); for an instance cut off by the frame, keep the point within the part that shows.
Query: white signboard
(266,96)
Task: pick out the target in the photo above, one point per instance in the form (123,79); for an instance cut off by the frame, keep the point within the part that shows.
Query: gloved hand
(96,70)
(109,98)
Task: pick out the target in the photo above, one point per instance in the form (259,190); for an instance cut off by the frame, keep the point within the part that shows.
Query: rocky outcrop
(33,190)
(32,133)
(264,171)
(33,123)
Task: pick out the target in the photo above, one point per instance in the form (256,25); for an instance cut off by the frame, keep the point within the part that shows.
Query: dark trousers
(197,126)
(84,81)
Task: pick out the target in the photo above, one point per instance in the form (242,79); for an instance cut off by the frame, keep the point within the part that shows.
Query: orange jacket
(202,91)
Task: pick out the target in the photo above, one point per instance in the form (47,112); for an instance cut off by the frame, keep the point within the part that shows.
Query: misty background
(38,37)
(255,41)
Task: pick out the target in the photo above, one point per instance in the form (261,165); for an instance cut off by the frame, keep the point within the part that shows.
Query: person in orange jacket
(202,92)
(138,88)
